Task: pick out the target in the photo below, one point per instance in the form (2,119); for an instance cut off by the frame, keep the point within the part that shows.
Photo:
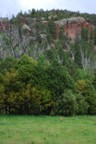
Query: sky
(9,7)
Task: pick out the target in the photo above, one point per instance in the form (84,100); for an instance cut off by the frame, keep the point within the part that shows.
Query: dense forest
(43,73)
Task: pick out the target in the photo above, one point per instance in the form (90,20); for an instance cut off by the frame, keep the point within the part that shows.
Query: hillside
(48,63)
(43,28)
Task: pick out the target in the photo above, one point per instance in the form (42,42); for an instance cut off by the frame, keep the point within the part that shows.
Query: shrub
(82,104)
(89,93)
(67,105)
(30,100)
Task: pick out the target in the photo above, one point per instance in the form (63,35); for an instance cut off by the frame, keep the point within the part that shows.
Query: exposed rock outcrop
(4,23)
(72,26)
(26,27)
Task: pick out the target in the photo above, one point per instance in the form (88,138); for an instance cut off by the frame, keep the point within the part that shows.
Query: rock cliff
(72,26)
(4,23)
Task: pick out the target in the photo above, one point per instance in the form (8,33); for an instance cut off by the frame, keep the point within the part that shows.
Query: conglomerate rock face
(26,33)
(4,23)
(72,26)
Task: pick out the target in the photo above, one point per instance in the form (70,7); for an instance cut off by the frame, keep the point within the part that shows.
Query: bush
(67,105)
(89,93)
(91,100)
(82,104)
(29,100)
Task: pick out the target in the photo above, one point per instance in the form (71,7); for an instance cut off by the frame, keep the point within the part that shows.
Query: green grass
(47,130)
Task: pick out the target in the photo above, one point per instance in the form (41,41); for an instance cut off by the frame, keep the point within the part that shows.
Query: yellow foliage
(81,85)
(10,76)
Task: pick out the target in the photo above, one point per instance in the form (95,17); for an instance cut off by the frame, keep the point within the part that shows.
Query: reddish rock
(72,26)
(4,24)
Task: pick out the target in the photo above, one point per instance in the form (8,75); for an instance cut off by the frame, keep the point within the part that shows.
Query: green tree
(88,92)
(58,79)
(67,104)
(52,28)
(84,34)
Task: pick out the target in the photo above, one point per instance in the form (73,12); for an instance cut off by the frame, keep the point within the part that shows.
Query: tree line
(29,86)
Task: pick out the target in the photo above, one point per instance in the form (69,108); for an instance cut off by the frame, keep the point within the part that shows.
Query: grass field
(47,130)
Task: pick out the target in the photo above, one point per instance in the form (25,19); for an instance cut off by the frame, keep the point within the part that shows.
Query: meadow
(47,129)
